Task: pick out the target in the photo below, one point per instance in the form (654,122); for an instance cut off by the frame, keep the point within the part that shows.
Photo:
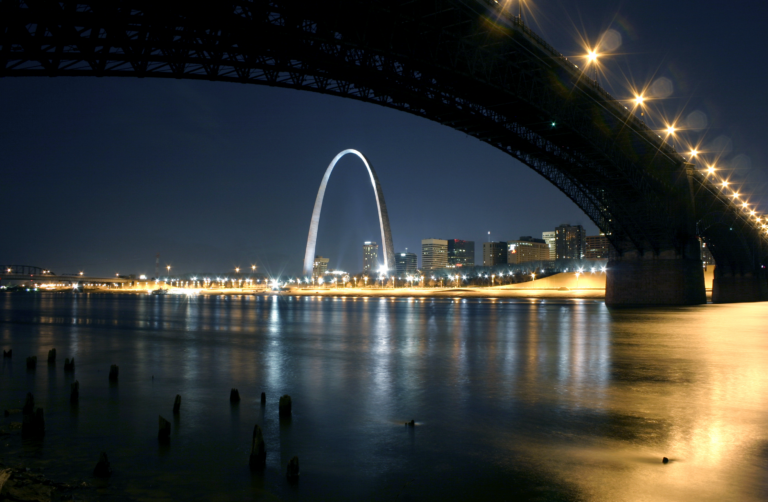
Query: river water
(513,399)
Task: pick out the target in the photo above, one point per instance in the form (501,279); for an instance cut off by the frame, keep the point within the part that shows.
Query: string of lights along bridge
(671,133)
(474,66)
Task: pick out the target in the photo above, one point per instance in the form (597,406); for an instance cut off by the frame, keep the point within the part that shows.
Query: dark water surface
(515,400)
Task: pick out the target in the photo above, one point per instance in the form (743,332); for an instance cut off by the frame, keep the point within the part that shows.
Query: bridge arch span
(469,65)
(386,232)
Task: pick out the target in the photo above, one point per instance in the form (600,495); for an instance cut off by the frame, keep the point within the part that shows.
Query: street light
(592,56)
(639,102)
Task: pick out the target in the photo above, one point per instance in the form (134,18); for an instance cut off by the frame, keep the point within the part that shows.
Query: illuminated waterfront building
(461,253)
(434,254)
(706,256)
(406,264)
(549,238)
(494,253)
(320,266)
(370,256)
(570,242)
(527,249)
(597,247)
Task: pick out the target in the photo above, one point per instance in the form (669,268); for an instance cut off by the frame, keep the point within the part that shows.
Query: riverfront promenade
(558,286)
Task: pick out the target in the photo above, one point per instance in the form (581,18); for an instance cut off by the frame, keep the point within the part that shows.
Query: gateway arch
(386,233)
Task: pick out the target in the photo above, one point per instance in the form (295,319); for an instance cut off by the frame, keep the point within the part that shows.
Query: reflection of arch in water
(386,233)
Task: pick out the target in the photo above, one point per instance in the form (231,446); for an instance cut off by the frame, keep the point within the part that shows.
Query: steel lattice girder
(455,62)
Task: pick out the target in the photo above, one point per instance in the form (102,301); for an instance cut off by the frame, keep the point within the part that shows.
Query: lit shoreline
(464,292)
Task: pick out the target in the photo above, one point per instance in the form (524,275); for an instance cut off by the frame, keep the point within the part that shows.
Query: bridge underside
(462,64)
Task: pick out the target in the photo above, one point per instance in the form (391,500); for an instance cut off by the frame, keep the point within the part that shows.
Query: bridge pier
(730,287)
(660,279)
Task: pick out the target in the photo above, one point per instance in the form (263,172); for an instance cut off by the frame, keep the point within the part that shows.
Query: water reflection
(513,399)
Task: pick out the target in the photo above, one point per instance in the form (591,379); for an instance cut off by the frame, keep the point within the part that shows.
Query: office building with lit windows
(461,253)
(406,264)
(706,255)
(319,266)
(527,249)
(549,238)
(570,242)
(494,253)
(370,256)
(434,254)
(597,247)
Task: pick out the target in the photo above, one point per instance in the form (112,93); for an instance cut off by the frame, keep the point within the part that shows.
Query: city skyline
(209,175)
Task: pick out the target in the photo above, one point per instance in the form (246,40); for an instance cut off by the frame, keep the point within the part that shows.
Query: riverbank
(590,285)
(24,483)
(498,292)
(466,292)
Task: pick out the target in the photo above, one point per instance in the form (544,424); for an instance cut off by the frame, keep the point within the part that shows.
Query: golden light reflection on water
(568,393)
(691,384)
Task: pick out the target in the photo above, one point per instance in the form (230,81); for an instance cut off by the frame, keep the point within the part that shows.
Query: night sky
(99,175)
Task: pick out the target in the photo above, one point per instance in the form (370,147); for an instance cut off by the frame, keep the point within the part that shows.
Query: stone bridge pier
(735,286)
(668,277)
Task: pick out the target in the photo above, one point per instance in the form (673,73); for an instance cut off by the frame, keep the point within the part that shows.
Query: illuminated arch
(386,233)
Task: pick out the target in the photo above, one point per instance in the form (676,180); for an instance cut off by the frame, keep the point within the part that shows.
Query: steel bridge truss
(24,270)
(461,63)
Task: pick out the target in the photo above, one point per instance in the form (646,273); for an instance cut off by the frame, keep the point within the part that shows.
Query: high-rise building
(549,238)
(527,249)
(494,253)
(370,256)
(434,254)
(461,253)
(570,242)
(320,266)
(597,246)
(406,264)
(706,255)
